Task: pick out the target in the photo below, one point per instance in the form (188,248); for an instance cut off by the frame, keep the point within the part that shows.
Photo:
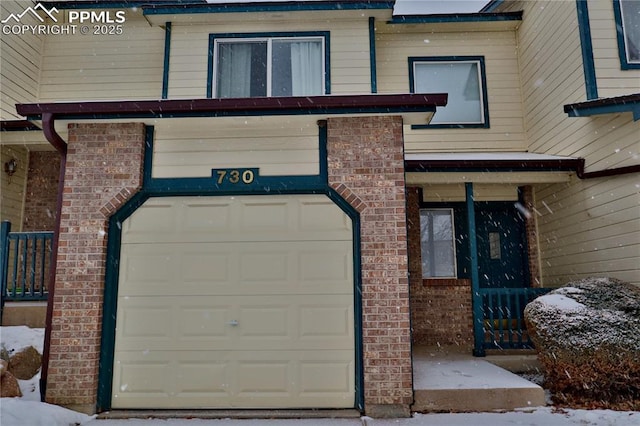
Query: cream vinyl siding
(236,302)
(590,227)
(104,67)
(506,132)
(611,80)
(13,189)
(348,50)
(20,59)
(276,145)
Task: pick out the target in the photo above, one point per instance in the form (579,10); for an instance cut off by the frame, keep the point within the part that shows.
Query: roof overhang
(457,18)
(17,126)
(414,108)
(615,105)
(490,167)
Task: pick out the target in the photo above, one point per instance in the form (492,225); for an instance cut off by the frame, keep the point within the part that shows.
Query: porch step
(31,314)
(456,382)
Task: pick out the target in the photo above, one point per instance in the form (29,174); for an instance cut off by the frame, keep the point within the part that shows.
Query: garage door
(235,302)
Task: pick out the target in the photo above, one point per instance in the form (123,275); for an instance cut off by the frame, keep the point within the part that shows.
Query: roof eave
(238,107)
(614,105)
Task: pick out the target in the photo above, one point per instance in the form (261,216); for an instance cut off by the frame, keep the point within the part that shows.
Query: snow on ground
(28,411)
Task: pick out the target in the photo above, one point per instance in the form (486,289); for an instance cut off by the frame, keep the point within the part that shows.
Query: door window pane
(437,243)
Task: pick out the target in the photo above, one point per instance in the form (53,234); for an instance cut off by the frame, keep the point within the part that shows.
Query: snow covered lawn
(28,411)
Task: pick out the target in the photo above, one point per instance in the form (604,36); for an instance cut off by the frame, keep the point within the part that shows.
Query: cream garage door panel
(224,219)
(312,267)
(236,322)
(230,379)
(235,302)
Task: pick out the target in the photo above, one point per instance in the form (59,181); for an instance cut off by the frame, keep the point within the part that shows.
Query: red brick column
(366,167)
(40,204)
(103,169)
(531,227)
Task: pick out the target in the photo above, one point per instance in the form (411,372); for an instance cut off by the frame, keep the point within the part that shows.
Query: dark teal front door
(502,246)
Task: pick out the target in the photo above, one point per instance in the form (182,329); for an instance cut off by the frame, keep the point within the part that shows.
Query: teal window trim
(372,54)
(167,54)
(588,64)
(483,89)
(620,35)
(326,35)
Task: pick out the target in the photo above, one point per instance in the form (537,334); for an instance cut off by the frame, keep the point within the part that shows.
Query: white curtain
(306,68)
(234,70)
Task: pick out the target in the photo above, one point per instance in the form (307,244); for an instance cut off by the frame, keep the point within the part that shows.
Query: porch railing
(25,259)
(502,315)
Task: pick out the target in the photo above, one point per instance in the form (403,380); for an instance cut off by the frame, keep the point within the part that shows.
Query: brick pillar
(103,170)
(366,167)
(531,229)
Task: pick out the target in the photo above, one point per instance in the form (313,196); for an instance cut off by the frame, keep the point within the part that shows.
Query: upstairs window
(437,241)
(257,66)
(462,78)
(627,13)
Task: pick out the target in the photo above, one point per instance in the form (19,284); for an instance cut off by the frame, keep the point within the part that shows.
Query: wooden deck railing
(502,316)
(25,259)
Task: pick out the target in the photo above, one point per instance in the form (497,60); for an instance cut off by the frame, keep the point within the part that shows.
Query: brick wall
(104,168)
(366,167)
(531,229)
(40,205)
(441,310)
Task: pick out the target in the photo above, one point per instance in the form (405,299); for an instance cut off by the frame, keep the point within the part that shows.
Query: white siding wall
(20,58)
(588,227)
(192,147)
(349,51)
(611,80)
(102,67)
(503,85)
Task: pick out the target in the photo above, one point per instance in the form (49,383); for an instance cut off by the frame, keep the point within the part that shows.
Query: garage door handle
(233,322)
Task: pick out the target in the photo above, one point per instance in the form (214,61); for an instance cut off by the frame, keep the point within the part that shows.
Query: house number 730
(234,176)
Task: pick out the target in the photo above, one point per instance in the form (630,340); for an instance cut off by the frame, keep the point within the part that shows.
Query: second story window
(463,78)
(627,14)
(255,66)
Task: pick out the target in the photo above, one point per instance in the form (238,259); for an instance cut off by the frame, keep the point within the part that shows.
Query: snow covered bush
(587,335)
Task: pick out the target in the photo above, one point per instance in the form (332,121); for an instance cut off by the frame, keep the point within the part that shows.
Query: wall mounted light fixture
(10,167)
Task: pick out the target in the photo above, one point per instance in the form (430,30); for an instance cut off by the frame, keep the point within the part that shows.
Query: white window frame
(269,41)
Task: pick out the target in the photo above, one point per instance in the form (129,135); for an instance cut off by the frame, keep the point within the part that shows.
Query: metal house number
(234,176)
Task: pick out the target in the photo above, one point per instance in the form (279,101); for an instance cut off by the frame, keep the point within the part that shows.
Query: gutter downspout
(48,127)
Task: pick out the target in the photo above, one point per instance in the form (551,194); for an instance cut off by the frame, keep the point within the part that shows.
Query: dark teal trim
(357,293)
(475,279)
(622,45)
(322,151)
(174,9)
(633,108)
(148,155)
(588,63)
(110,304)
(483,86)
(326,35)
(372,54)
(456,18)
(167,54)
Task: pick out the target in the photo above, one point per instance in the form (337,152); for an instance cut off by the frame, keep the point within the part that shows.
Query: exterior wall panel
(102,67)
(20,58)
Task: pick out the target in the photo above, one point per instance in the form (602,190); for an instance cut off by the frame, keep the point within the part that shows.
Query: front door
(502,246)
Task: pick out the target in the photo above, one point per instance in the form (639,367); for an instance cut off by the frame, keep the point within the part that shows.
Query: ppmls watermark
(33,20)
